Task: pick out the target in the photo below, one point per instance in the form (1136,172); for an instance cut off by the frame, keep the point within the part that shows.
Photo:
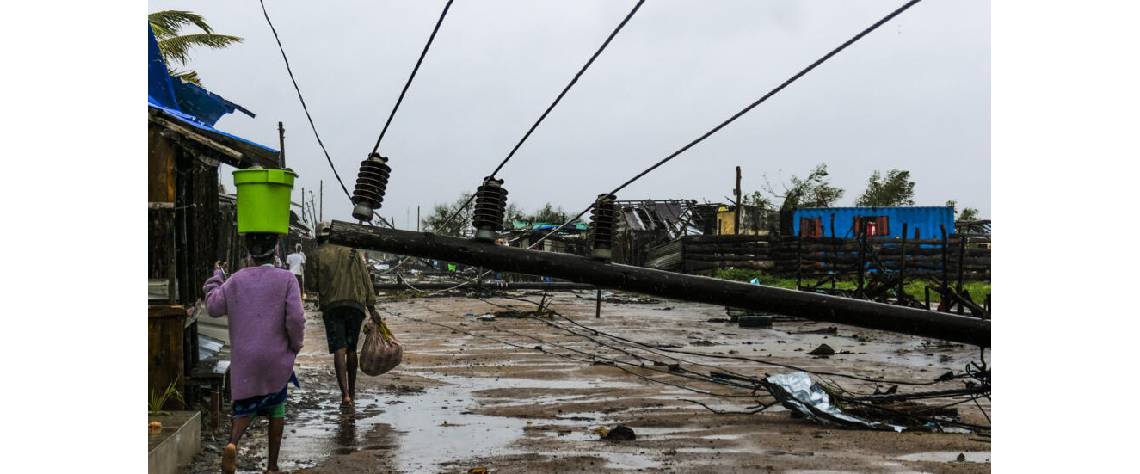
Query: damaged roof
(191,111)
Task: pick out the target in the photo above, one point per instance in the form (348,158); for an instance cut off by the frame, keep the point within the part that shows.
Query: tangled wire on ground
(662,363)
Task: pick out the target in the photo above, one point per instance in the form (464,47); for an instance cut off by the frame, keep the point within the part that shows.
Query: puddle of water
(707,450)
(948,456)
(315,432)
(433,431)
(614,460)
(801,471)
(723,436)
(503,382)
(425,441)
(549,400)
(428,427)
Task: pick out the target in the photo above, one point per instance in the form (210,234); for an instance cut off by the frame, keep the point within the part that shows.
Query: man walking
(296,262)
(346,292)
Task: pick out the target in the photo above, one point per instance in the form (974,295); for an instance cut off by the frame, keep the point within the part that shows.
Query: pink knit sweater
(267,326)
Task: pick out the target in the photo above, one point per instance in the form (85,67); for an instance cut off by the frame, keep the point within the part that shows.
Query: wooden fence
(706,253)
(812,258)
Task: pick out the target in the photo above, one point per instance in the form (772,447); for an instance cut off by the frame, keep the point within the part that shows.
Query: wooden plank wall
(160,209)
(165,349)
(196,218)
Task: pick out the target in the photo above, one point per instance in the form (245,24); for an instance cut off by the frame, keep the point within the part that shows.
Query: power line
(309,116)
(749,108)
(545,113)
(412,76)
(301,98)
(566,89)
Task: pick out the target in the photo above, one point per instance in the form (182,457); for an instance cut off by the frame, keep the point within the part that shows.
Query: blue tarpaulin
(188,103)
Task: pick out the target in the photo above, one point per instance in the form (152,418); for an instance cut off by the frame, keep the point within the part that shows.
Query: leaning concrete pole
(814,306)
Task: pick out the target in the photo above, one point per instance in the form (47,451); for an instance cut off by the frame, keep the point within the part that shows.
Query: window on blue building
(811,227)
(874,225)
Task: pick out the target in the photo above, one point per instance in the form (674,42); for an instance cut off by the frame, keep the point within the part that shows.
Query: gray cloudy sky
(915,94)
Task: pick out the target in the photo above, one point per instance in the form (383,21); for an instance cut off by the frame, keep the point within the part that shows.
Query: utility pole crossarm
(814,306)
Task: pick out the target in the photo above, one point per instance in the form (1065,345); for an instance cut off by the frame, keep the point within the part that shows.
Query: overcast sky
(914,95)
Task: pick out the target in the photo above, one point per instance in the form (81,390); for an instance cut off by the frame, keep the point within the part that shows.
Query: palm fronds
(175,47)
(186,76)
(166,23)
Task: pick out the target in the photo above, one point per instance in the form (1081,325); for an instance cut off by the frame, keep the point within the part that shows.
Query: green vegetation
(894,189)
(157,400)
(814,190)
(440,221)
(978,288)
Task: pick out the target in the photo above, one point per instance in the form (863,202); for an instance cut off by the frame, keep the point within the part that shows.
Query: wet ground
(520,395)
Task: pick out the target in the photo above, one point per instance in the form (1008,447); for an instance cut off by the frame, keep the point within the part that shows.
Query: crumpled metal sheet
(796,391)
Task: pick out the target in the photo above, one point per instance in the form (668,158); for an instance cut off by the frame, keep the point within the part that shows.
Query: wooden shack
(185,226)
(184,151)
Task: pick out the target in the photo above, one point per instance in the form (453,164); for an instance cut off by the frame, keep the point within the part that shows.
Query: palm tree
(175,47)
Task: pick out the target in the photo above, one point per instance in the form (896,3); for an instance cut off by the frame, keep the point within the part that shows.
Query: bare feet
(346,401)
(229,459)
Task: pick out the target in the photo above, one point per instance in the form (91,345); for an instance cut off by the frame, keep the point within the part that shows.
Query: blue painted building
(887,222)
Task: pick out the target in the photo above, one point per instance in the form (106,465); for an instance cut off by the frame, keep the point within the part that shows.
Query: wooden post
(598,306)
(862,255)
(961,269)
(739,204)
(417,218)
(799,259)
(313,207)
(581,269)
(902,262)
(321,214)
(834,252)
(281,140)
(945,270)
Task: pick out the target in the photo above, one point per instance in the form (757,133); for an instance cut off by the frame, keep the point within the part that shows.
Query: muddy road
(522,395)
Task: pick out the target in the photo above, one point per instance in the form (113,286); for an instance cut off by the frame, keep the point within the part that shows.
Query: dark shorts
(342,327)
(269,406)
(300,282)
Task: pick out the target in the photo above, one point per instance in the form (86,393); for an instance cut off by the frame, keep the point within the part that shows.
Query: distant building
(924,222)
(754,220)
(569,239)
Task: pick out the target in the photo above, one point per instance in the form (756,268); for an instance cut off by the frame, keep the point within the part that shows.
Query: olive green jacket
(343,278)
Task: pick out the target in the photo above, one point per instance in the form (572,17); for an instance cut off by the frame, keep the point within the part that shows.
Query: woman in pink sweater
(267,330)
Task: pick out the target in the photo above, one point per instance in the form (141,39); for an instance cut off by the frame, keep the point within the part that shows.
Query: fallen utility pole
(490,284)
(814,306)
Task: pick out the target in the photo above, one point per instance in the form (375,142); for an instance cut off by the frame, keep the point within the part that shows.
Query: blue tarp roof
(188,103)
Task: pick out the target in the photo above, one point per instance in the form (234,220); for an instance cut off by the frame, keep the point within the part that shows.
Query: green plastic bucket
(263,200)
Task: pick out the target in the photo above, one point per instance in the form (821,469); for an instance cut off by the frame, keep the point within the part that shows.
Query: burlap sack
(381,351)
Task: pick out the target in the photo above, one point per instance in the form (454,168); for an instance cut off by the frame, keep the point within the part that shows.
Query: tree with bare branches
(813,190)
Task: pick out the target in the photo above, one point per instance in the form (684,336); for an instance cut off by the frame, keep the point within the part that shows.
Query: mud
(461,401)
